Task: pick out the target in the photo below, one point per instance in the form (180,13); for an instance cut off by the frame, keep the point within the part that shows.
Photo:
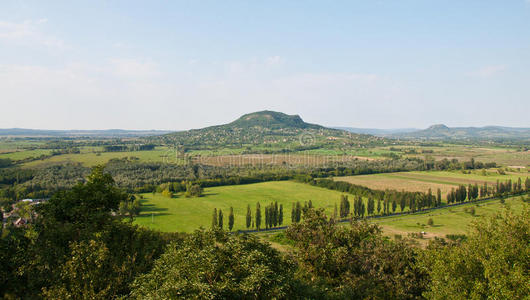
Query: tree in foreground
(209,265)
(492,263)
(354,262)
(77,248)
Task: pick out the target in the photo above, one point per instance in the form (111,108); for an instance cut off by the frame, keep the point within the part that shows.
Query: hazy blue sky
(189,64)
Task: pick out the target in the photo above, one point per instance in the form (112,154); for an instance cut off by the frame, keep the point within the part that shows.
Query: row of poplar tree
(274,215)
(473,192)
(217,219)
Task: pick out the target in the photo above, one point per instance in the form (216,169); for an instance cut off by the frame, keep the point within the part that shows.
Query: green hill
(272,120)
(267,130)
(442,132)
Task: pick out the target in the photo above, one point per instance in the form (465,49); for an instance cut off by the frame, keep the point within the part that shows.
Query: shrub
(430,222)
(167,193)
(456,237)
(470,210)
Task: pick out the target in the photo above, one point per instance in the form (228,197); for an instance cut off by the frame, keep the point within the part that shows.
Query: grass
(450,220)
(14,144)
(90,159)
(187,214)
(20,155)
(502,156)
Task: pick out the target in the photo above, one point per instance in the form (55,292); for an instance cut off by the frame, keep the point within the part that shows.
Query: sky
(177,65)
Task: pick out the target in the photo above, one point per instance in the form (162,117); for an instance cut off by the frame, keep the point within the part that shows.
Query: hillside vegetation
(268,128)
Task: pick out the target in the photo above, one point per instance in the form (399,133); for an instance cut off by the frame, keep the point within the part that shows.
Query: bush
(193,190)
(167,193)
(470,210)
(456,237)
(430,222)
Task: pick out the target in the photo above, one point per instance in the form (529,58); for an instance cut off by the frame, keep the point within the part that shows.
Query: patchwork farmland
(422,181)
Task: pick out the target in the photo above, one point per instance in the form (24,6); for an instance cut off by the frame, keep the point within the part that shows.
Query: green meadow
(90,159)
(450,220)
(187,214)
(20,155)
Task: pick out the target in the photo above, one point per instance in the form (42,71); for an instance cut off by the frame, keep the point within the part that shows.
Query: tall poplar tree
(220,219)
(214,219)
(231,219)
(280,215)
(249,216)
(258,216)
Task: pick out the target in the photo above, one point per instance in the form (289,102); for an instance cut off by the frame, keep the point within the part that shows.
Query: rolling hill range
(441,132)
(109,133)
(377,131)
(268,129)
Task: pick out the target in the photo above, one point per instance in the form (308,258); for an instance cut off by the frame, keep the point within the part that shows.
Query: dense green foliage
(215,265)
(355,262)
(492,262)
(76,248)
(5,162)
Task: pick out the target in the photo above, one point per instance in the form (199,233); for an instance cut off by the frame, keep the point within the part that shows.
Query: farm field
(91,156)
(501,156)
(422,181)
(296,159)
(90,159)
(187,214)
(9,145)
(20,155)
(450,220)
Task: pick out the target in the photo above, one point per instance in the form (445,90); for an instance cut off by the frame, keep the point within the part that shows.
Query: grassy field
(90,159)
(422,181)
(9,144)
(451,220)
(20,155)
(188,214)
(91,156)
(501,156)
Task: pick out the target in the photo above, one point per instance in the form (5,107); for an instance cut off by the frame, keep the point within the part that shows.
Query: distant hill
(23,132)
(272,120)
(270,129)
(441,132)
(376,131)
